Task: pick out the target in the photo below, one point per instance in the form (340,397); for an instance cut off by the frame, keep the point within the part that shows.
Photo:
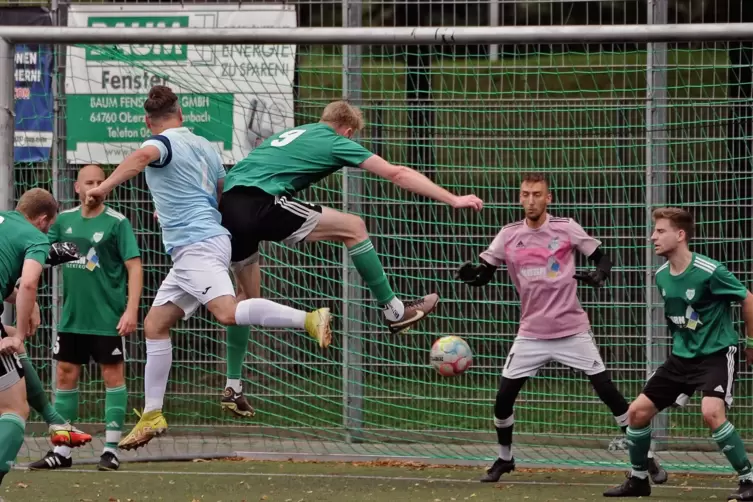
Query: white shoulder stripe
(114,214)
(71,210)
(666,264)
(705,263)
(705,268)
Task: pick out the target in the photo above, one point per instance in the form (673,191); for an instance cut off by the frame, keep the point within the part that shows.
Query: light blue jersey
(183,183)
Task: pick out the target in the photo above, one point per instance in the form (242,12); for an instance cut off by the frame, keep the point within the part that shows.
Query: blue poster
(33,93)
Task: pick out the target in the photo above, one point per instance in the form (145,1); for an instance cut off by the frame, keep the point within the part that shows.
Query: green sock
(237,347)
(639,443)
(66,403)
(12,429)
(370,268)
(732,446)
(115,410)
(36,395)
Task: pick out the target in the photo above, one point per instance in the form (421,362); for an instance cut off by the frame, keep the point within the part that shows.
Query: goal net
(472,125)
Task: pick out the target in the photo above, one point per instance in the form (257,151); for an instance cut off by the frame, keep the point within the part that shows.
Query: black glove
(475,275)
(62,252)
(595,278)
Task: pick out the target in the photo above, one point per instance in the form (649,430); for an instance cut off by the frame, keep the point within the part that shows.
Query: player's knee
(113,375)
(353,229)
(225,317)
(639,416)
(713,411)
(67,375)
(154,328)
(506,396)
(21,408)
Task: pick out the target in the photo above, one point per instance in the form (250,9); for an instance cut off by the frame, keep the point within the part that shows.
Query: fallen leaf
(22,485)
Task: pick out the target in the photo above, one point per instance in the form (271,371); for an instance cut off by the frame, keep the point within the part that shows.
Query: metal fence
(621,126)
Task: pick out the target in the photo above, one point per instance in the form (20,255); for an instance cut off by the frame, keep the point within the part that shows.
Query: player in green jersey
(24,250)
(258,205)
(95,317)
(697,293)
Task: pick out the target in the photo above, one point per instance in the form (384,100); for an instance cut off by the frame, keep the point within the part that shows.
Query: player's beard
(535,216)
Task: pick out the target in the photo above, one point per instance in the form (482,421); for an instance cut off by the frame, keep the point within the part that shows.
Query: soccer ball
(451,356)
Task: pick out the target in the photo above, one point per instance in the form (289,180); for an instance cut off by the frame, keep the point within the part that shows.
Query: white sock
(65,451)
(114,451)
(639,474)
(505,452)
(261,312)
(650,454)
(159,359)
(394,310)
(235,384)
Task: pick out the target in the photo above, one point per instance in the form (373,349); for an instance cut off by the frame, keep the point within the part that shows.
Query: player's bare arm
(131,166)
(747,314)
(26,299)
(130,319)
(413,181)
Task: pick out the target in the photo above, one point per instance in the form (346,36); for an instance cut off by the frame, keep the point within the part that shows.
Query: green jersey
(294,159)
(697,306)
(94,287)
(19,241)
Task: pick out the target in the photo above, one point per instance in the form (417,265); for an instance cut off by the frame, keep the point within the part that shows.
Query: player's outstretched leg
(62,433)
(730,444)
(504,419)
(66,404)
(351,231)
(615,401)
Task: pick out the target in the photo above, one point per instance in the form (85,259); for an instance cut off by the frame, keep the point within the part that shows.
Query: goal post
(618,129)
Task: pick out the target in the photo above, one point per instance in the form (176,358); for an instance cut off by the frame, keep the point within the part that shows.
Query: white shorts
(199,275)
(528,355)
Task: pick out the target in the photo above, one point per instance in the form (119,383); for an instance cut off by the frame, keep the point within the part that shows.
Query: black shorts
(77,349)
(11,370)
(251,215)
(713,375)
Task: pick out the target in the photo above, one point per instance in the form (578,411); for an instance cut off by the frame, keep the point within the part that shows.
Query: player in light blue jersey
(185,176)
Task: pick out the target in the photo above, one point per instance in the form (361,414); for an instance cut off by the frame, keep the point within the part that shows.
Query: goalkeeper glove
(595,278)
(476,275)
(62,252)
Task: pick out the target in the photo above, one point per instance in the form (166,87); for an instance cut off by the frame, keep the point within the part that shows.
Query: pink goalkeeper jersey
(541,264)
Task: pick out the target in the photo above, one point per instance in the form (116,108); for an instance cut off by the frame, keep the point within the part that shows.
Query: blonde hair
(37,202)
(342,113)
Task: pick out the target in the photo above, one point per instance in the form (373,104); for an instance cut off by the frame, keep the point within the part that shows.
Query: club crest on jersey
(98,236)
(689,294)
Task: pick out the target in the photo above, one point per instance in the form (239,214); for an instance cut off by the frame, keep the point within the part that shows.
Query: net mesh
(580,117)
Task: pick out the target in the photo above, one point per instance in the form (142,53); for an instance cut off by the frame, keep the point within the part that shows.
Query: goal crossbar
(719,32)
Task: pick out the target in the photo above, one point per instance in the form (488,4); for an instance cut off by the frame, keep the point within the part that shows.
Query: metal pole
(656,195)
(352,296)
(382,36)
(61,189)
(7,130)
(494,21)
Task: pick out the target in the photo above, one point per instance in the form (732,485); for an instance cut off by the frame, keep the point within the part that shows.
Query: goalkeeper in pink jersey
(538,252)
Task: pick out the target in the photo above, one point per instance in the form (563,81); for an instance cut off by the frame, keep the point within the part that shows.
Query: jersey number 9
(287,137)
